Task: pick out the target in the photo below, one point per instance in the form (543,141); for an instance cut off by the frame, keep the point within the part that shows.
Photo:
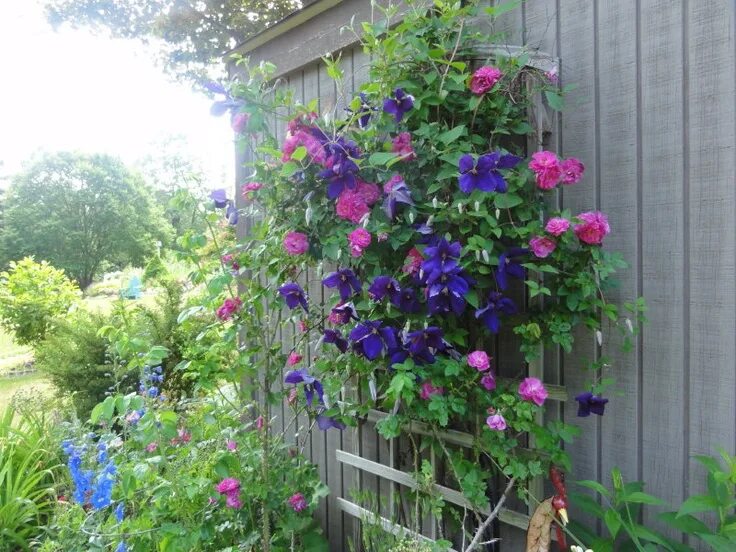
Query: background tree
(79,211)
(192,36)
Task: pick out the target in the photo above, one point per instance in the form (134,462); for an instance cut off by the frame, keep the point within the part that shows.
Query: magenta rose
(488,381)
(228,485)
(228,308)
(401,145)
(296,243)
(427,390)
(484,79)
(479,360)
(542,246)
(351,206)
(547,169)
(496,422)
(369,192)
(239,122)
(297,502)
(359,239)
(294,358)
(557,226)
(532,389)
(572,170)
(393,181)
(592,228)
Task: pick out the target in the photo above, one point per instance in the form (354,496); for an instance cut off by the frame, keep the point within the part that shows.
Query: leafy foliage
(80,211)
(31,294)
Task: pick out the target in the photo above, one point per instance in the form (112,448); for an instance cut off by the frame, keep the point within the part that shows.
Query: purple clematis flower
(447,293)
(311,384)
(364,112)
(440,259)
(345,281)
(425,343)
(336,338)
(407,301)
(484,174)
(497,304)
(343,313)
(589,403)
(219,196)
(508,266)
(231,214)
(399,193)
(340,175)
(294,295)
(370,338)
(382,286)
(399,104)
(327,422)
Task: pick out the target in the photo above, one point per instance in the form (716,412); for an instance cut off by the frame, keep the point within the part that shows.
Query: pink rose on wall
(248,189)
(228,308)
(413,261)
(351,206)
(557,226)
(547,169)
(592,228)
(296,243)
(496,422)
(488,381)
(427,390)
(369,192)
(532,389)
(479,360)
(239,122)
(297,502)
(542,246)
(572,170)
(294,358)
(393,181)
(359,239)
(484,79)
(401,145)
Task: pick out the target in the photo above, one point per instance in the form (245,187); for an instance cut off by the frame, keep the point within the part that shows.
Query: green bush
(31,294)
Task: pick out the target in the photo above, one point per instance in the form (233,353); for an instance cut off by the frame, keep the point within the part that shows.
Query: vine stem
(493,515)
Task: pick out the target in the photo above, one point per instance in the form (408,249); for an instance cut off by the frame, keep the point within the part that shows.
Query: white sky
(72,90)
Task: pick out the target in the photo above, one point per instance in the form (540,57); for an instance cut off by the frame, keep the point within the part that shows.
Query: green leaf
(381,158)
(685,523)
(594,485)
(643,498)
(451,135)
(507,200)
(613,522)
(299,153)
(554,100)
(698,503)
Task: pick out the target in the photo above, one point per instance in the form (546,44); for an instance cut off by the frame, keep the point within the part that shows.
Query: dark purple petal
(296,376)
(508,161)
(326,422)
(219,197)
(372,346)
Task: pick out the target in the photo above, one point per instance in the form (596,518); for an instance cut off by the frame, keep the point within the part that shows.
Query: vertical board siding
(653,118)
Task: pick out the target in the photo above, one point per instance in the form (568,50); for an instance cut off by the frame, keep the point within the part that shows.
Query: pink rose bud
(572,170)
(239,122)
(488,381)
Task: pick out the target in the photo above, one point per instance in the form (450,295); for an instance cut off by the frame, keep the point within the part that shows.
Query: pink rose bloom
(488,381)
(542,246)
(531,389)
(150,447)
(557,226)
(552,75)
(239,122)
(393,181)
(291,142)
(298,502)
(359,239)
(351,206)
(401,145)
(259,422)
(547,169)
(294,358)
(572,170)
(369,192)
(413,261)
(496,422)
(315,149)
(228,308)
(593,228)
(296,243)
(231,445)
(479,360)
(484,79)
(232,500)
(248,189)
(228,485)
(303,327)
(427,390)
(184,435)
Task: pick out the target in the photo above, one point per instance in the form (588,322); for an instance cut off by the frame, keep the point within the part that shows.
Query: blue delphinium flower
(311,384)
(383,286)
(370,338)
(484,174)
(497,304)
(294,296)
(508,265)
(120,512)
(399,104)
(345,281)
(102,495)
(121,547)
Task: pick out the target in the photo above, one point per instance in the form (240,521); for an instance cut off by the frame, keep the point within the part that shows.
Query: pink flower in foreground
(401,145)
(293,396)
(150,447)
(297,502)
(496,422)
(393,181)
(547,169)
(249,188)
(359,239)
(351,206)
(184,435)
(532,389)
(259,422)
(427,390)
(572,170)
(488,381)
(593,228)
(479,360)
(232,500)
(369,192)
(413,261)
(228,485)
(296,243)
(294,358)
(552,75)
(303,326)
(239,122)
(542,246)
(231,445)
(229,307)
(557,226)
(484,79)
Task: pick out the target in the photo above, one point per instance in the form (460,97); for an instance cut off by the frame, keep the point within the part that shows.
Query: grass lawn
(9,386)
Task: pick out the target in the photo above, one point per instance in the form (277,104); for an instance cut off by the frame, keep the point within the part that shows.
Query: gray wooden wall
(653,118)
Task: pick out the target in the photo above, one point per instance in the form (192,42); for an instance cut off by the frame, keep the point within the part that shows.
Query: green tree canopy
(79,211)
(193,36)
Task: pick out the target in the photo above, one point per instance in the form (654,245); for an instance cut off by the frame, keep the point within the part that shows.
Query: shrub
(31,294)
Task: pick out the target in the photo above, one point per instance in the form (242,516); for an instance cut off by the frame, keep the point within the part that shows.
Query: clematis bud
(477,206)
(460,208)
(435,202)
(372,387)
(599,337)
(629,325)
(486,258)
(411,217)
(326,399)
(308,215)
(498,213)
(477,255)
(366,220)
(339,254)
(319,270)
(430,220)
(396,407)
